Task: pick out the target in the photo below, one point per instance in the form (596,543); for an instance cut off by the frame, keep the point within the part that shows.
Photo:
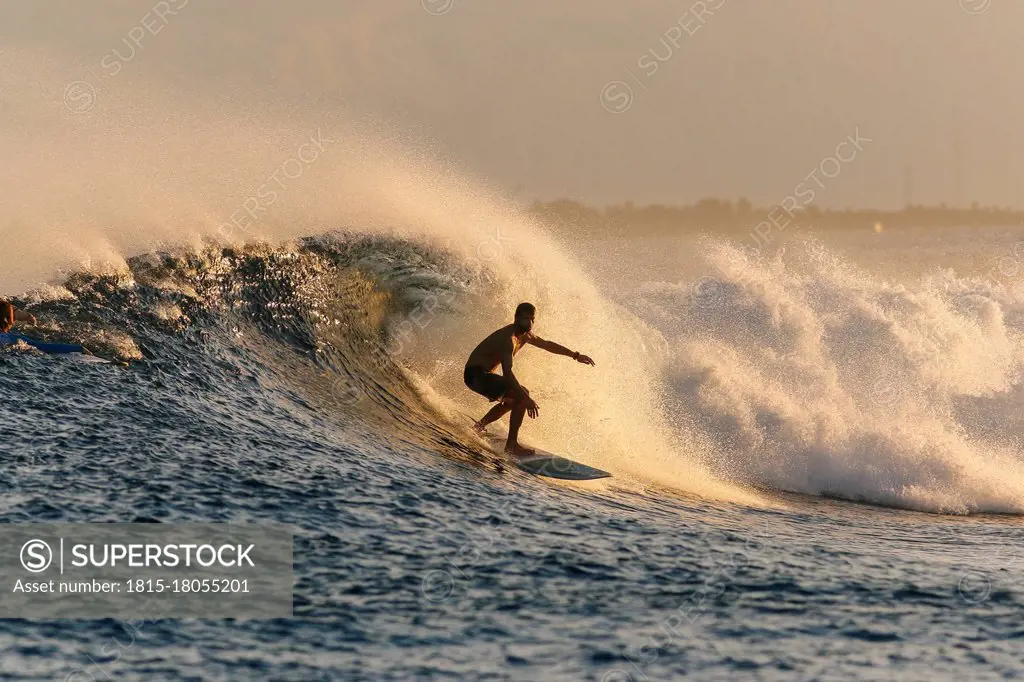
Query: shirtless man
(9,315)
(498,349)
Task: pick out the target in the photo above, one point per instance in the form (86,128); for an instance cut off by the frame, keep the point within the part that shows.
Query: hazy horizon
(746,106)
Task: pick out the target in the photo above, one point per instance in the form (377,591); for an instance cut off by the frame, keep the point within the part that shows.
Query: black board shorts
(489,385)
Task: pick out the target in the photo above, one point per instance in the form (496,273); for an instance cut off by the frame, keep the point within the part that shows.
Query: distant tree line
(719,214)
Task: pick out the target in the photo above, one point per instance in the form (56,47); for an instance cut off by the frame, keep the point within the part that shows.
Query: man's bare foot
(481,429)
(519,451)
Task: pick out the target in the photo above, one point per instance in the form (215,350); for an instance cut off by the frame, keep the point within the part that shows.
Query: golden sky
(746,105)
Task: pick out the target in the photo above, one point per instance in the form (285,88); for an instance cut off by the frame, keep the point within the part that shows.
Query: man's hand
(532,408)
(583,359)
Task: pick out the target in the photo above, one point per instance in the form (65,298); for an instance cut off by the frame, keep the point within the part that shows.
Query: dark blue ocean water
(418,556)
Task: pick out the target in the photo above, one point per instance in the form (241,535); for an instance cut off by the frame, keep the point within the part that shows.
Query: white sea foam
(824,379)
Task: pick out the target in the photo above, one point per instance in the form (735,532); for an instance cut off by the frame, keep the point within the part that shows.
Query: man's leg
(495,387)
(495,413)
(512,445)
(514,422)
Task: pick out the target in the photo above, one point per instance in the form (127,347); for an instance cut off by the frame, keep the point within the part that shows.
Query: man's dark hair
(525,308)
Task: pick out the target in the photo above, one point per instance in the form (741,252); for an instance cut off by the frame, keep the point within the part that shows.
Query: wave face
(298,330)
(803,373)
(365,336)
(800,374)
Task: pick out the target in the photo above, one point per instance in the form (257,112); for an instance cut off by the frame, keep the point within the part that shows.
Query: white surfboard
(544,463)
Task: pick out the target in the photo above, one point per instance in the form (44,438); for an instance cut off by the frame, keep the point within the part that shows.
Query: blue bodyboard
(13,337)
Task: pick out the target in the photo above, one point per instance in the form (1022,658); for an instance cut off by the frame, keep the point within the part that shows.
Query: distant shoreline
(727,214)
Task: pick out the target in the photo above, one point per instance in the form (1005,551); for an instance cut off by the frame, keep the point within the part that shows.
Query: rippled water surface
(269,393)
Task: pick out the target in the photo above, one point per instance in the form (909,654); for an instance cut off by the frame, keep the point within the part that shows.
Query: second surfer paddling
(498,349)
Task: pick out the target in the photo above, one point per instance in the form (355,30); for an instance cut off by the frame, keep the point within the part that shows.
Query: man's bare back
(488,352)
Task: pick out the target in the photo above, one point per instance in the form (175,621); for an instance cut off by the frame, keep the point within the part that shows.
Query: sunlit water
(798,526)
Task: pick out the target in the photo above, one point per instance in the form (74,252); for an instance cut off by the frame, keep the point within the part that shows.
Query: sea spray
(819,378)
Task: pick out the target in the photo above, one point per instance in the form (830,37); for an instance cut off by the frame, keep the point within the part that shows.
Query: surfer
(498,349)
(9,315)
(8,336)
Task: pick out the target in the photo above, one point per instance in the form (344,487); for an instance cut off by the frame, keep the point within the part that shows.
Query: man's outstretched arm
(24,316)
(558,349)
